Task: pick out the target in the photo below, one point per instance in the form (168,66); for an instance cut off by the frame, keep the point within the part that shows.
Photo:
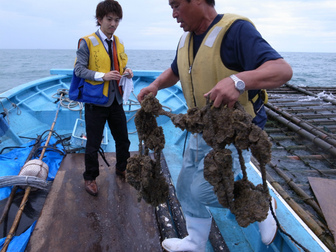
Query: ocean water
(21,66)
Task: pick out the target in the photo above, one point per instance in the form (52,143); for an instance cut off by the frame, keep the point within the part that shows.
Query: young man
(225,57)
(101,62)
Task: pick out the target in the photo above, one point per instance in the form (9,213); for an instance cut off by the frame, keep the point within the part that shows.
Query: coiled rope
(65,101)
(24,181)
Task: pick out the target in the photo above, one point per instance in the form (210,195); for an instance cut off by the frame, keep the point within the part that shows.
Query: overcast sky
(288,25)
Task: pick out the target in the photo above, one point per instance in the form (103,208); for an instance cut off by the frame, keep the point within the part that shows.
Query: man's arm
(271,74)
(82,62)
(166,79)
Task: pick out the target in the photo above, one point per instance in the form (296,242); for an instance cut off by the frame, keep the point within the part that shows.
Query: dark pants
(95,119)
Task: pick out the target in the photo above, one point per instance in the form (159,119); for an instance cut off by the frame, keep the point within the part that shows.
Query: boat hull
(30,110)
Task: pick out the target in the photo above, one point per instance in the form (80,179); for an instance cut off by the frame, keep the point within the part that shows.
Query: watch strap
(234,78)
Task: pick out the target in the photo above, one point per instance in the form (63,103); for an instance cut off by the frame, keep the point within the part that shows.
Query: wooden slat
(73,220)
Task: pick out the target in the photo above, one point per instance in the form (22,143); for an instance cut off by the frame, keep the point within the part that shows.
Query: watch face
(240,85)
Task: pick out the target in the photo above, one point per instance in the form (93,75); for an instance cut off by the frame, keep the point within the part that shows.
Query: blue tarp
(19,243)
(10,164)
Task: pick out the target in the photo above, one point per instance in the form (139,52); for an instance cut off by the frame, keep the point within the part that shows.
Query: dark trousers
(95,119)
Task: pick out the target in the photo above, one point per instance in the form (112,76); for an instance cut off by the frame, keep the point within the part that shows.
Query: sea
(19,66)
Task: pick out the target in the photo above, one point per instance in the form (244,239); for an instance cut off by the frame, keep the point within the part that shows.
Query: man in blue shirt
(222,57)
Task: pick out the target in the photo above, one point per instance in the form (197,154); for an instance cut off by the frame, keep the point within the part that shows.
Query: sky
(288,25)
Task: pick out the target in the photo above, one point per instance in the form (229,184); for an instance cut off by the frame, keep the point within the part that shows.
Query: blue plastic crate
(78,137)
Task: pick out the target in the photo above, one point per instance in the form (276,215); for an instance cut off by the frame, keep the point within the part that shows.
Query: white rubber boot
(268,227)
(198,230)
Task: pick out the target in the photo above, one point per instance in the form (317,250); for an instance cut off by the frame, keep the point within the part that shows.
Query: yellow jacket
(99,60)
(198,76)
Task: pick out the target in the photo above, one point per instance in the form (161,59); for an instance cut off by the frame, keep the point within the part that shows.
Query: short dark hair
(106,7)
(210,2)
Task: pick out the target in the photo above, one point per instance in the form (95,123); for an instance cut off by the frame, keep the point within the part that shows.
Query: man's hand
(128,73)
(147,90)
(112,75)
(223,93)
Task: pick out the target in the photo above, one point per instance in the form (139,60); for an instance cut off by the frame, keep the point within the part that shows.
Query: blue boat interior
(29,110)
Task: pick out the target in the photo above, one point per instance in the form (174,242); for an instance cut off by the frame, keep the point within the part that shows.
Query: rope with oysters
(220,127)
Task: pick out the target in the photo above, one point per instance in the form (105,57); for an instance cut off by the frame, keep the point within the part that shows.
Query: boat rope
(53,147)
(304,196)
(284,232)
(65,101)
(11,147)
(6,111)
(102,154)
(321,233)
(24,181)
(185,143)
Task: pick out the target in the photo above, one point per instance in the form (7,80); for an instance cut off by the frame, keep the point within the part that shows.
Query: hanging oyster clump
(227,126)
(143,173)
(220,127)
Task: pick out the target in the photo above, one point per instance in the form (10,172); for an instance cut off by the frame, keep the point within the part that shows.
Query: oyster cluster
(220,127)
(142,172)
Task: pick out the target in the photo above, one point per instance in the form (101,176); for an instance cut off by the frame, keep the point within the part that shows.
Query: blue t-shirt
(242,49)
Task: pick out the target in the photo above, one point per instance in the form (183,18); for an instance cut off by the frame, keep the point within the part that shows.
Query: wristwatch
(239,84)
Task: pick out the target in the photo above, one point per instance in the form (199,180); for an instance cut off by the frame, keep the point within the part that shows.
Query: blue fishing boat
(41,109)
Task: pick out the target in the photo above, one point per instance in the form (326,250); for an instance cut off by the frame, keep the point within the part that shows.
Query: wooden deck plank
(73,220)
(324,192)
